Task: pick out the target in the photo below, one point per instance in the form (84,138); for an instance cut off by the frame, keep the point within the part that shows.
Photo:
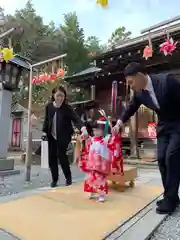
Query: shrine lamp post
(9,81)
(10,73)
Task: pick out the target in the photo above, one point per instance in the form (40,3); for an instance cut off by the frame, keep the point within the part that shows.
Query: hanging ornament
(35,80)
(148,51)
(43,77)
(168,47)
(103,3)
(60,72)
(52,76)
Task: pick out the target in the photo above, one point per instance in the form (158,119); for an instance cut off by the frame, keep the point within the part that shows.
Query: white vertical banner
(44,154)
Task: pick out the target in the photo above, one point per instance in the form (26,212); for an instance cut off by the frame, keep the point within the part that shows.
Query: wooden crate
(120,182)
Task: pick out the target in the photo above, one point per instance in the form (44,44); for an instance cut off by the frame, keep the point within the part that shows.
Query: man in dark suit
(161,93)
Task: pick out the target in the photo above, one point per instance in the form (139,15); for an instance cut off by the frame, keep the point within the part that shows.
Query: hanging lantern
(147,52)
(60,72)
(43,77)
(52,76)
(103,3)
(168,47)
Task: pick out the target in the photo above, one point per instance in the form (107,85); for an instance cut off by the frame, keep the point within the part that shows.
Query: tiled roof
(84,72)
(21,61)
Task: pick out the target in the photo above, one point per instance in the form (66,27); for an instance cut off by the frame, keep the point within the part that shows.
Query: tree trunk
(134,134)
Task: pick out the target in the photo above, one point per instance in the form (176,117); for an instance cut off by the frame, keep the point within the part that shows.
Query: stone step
(140,226)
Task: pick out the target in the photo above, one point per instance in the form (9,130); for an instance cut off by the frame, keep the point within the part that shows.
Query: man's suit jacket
(167,91)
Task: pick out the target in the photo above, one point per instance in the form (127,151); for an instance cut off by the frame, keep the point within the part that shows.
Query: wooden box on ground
(120,181)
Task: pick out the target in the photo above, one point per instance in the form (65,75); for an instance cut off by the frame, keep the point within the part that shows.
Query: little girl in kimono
(96,160)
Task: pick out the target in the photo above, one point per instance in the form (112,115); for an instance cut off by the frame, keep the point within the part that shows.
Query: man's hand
(84,134)
(117,127)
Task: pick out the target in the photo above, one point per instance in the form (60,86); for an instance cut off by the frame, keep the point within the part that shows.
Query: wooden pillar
(134,134)
(93,92)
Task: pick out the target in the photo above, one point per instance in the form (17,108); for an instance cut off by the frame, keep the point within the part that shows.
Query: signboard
(152,130)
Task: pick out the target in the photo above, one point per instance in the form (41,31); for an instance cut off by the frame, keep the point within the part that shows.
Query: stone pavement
(7,236)
(169,229)
(39,178)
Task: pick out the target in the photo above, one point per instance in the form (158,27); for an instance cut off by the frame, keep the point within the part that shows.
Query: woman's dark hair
(61,89)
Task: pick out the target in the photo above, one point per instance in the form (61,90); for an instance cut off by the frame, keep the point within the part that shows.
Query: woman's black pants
(58,155)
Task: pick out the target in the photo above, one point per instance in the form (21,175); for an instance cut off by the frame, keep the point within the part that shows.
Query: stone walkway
(169,229)
(7,236)
(39,178)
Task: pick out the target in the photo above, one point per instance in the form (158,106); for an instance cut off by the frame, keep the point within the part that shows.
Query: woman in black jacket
(58,128)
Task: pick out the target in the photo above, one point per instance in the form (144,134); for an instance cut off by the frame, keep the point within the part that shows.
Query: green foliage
(77,54)
(93,45)
(120,34)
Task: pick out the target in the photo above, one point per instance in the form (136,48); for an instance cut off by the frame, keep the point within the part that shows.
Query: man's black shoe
(54,184)
(159,202)
(166,207)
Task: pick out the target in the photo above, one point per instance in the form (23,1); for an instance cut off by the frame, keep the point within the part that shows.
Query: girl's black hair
(61,89)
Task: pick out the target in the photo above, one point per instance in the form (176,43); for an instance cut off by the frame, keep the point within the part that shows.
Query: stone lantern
(9,80)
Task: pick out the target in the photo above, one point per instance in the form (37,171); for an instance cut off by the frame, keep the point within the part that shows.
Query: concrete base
(7,167)
(9,173)
(6,164)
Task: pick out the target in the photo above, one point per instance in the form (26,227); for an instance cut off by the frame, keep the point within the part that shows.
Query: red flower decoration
(35,80)
(60,72)
(42,77)
(168,47)
(52,76)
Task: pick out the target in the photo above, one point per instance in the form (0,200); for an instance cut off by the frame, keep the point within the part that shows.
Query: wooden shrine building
(109,66)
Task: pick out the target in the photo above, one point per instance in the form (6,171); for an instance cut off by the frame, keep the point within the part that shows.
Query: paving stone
(169,229)
(39,178)
(7,236)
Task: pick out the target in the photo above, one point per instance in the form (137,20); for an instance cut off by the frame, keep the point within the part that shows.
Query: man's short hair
(133,68)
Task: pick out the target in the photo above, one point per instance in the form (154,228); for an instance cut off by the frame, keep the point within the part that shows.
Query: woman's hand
(84,133)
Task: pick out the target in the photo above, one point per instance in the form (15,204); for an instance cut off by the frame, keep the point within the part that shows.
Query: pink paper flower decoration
(168,47)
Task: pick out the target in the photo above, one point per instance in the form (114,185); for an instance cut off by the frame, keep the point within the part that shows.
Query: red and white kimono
(99,157)
(115,145)
(96,164)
